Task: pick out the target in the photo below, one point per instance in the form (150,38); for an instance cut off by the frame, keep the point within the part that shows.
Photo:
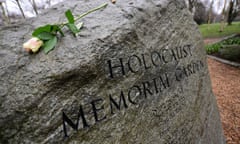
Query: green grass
(212,30)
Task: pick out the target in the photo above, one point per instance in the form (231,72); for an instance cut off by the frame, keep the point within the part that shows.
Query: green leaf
(45,36)
(37,31)
(56,28)
(69,16)
(73,28)
(50,44)
(61,32)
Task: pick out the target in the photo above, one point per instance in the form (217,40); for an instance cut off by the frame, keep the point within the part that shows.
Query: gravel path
(211,40)
(226,87)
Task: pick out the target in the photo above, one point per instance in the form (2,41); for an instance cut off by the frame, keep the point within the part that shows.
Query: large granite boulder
(137,73)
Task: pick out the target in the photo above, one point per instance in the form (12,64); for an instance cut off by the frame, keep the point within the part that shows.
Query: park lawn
(212,30)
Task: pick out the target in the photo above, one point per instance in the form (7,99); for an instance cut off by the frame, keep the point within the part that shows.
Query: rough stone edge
(235,64)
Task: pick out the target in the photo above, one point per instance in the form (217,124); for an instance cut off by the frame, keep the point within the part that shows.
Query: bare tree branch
(34,7)
(19,6)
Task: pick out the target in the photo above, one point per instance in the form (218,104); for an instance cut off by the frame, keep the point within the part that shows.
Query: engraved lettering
(147,63)
(131,62)
(156,58)
(174,54)
(71,124)
(144,62)
(135,90)
(155,85)
(117,105)
(146,88)
(121,66)
(164,55)
(178,74)
(96,110)
(164,82)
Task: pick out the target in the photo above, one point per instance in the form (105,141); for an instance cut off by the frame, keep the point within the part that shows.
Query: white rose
(33,44)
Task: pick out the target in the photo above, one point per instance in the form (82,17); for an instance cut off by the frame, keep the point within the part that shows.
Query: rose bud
(33,45)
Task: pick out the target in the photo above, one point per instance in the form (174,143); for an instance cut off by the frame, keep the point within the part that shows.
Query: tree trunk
(7,13)
(20,8)
(223,17)
(34,7)
(210,12)
(4,15)
(49,2)
(191,6)
(230,13)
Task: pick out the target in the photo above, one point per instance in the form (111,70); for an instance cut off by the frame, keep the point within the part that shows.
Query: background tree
(34,5)
(198,9)
(223,13)
(4,12)
(233,11)
(48,2)
(210,12)
(20,7)
(191,5)
(200,13)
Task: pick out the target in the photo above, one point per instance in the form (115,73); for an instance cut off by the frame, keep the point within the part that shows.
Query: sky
(27,7)
(28,10)
(217,4)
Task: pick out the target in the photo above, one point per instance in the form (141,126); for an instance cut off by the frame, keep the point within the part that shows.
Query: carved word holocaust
(147,61)
(138,92)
